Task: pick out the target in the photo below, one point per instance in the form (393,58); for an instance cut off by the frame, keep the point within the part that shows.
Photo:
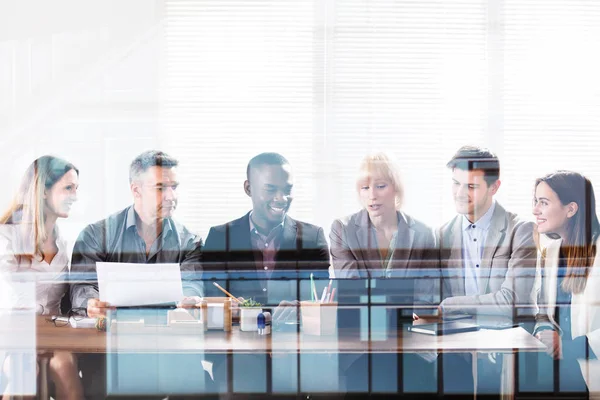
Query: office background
(214,82)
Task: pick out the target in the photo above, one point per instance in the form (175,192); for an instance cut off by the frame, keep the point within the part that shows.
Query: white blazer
(49,280)
(585,306)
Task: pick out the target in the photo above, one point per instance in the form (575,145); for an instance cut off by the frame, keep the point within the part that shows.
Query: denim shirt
(116,239)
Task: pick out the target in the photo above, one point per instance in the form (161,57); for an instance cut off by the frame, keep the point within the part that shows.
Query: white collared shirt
(473,239)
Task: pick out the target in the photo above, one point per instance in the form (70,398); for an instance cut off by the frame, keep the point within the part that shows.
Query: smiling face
(551,215)
(377,196)
(472,195)
(155,193)
(270,188)
(61,196)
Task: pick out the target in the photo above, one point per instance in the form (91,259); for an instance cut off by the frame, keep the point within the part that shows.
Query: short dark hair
(265,159)
(469,158)
(150,158)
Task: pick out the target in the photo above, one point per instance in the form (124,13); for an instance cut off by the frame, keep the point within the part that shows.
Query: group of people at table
(491,247)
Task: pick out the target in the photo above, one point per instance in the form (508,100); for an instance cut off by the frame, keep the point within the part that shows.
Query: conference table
(152,339)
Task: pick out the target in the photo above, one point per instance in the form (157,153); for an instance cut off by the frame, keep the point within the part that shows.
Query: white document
(128,284)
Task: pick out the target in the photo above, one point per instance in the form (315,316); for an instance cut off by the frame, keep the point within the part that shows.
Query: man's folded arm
(516,289)
(86,252)
(191,268)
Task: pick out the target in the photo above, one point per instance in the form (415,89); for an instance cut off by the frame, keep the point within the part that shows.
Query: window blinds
(551,93)
(240,80)
(325,82)
(410,78)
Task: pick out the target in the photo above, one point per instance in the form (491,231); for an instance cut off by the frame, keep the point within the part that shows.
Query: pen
(332,295)
(313,291)
(226,292)
(324,295)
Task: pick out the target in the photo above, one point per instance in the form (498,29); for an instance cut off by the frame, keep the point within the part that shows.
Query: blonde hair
(28,206)
(381,165)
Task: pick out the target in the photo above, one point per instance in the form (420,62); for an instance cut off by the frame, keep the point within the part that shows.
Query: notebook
(444,328)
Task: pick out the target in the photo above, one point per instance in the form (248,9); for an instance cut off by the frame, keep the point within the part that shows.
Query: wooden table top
(161,339)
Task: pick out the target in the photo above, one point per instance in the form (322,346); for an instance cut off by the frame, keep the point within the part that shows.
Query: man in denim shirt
(144,232)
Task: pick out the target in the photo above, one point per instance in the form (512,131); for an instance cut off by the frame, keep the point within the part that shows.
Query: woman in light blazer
(568,322)
(31,245)
(380,241)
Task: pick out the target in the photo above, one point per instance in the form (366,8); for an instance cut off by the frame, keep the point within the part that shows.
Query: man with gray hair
(144,232)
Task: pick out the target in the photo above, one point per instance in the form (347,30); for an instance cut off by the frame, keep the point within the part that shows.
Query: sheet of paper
(128,284)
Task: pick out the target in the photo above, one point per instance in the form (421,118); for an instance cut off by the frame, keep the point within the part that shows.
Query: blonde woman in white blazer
(30,245)
(568,322)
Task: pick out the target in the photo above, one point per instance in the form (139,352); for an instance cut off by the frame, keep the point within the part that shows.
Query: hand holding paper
(97,308)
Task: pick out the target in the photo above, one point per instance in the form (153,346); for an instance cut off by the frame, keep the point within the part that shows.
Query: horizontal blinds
(409,78)
(551,93)
(326,82)
(239,80)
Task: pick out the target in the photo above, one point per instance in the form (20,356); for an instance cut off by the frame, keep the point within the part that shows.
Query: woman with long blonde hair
(30,243)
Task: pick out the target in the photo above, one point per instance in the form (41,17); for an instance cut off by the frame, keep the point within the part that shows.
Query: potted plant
(249,310)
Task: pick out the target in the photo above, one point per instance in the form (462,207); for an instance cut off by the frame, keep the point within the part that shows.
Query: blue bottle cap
(260,321)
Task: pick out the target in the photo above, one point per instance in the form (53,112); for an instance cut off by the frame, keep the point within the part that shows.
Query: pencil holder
(318,318)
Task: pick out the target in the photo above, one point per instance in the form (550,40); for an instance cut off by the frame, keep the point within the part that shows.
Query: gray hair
(150,158)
